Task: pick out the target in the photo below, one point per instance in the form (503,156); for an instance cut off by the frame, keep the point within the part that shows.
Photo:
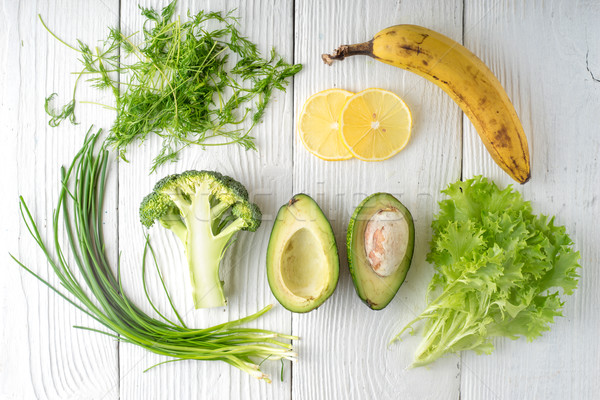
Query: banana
(464,77)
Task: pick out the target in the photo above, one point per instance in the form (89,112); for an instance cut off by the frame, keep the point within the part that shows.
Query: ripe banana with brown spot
(462,75)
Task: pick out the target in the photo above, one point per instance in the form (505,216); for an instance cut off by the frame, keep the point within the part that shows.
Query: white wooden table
(547,56)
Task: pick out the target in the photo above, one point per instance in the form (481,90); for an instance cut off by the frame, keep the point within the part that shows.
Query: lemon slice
(318,125)
(375,124)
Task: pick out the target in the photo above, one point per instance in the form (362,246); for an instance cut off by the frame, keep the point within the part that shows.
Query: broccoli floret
(205,210)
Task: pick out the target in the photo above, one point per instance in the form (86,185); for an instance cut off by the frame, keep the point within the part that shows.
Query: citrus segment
(318,125)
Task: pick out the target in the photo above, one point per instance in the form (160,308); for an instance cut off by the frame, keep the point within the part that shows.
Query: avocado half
(380,241)
(302,257)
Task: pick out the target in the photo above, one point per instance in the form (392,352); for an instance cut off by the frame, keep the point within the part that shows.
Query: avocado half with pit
(381,240)
(302,257)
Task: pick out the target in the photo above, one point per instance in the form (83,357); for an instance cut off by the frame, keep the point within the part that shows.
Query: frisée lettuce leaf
(499,271)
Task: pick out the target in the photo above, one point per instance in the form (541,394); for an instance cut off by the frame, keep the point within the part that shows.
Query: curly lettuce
(499,271)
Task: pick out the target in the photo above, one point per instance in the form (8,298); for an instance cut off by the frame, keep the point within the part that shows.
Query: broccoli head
(205,210)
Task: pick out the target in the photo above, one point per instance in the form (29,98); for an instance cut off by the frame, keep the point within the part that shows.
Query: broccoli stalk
(205,210)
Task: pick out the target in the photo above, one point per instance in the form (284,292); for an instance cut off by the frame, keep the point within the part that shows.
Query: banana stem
(347,50)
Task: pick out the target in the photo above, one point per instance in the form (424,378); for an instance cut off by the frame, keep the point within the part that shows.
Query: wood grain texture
(541,61)
(343,348)
(547,56)
(267,176)
(15,365)
(43,356)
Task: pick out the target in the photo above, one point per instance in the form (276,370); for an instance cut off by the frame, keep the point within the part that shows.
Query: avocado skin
(301,200)
(357,262)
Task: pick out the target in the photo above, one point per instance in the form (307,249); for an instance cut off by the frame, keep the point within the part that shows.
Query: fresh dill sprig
(184,82)
(58,116)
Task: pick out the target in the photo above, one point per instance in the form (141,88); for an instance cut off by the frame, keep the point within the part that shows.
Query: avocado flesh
(302,257)
(375,290)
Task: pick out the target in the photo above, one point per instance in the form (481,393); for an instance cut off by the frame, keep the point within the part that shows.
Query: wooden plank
(43,356)
(267,176)
(14,365)
(344,349)
(538,50)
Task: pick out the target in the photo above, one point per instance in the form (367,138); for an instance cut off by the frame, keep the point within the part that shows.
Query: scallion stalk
(79,212)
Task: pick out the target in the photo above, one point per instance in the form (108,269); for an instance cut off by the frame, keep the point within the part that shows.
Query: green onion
(79,212)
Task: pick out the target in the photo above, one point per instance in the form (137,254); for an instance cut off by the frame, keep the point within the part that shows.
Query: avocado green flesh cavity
(301,251)
(302,257)
(380,246)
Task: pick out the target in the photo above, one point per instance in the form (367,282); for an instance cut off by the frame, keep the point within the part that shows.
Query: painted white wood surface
(344,344)
(267,175)
(42,355)
(537,50)
(541,61)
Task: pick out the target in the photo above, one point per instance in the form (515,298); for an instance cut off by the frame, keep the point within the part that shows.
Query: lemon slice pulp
(318,125)
(375,124)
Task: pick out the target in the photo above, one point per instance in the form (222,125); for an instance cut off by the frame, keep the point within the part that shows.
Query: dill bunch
(188,82)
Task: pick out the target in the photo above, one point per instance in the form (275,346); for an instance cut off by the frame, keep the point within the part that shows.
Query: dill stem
(56,37)
(98,104)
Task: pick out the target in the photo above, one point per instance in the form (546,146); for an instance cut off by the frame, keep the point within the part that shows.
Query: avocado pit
(386,241)
(380,245)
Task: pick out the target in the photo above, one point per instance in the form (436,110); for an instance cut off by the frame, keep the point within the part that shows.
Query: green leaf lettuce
(499,270)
